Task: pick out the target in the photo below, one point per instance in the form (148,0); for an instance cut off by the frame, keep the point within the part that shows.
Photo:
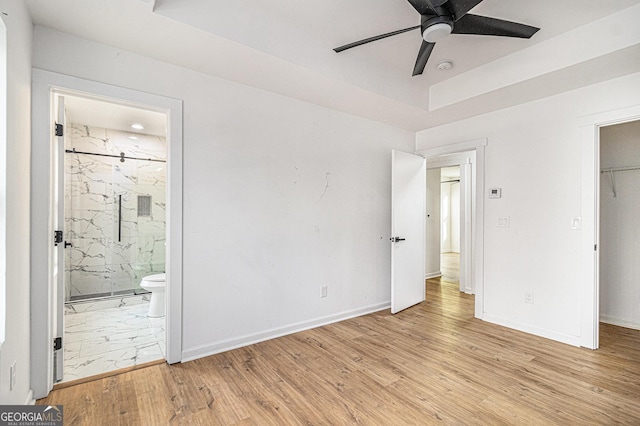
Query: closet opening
(619,229)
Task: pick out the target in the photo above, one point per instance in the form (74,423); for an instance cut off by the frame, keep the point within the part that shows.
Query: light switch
(576,223)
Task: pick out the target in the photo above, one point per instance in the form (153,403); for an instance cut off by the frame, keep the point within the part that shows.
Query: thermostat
(495,192)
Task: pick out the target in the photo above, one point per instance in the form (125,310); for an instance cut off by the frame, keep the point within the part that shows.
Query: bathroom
(114,236)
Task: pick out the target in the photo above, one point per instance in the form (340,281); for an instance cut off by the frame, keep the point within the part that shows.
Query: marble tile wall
(98,263)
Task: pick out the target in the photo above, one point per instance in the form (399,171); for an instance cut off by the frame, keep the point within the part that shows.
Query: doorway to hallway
(450,214)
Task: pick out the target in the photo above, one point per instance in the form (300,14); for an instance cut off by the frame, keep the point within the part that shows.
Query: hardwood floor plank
(431,364)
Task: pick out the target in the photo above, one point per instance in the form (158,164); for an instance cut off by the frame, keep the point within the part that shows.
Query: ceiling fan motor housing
(434,27)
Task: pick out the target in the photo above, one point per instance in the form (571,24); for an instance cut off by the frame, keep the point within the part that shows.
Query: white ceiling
(286,47)
(109,115)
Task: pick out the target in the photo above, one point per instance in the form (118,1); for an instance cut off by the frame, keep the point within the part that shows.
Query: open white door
(408,221)
(57,260)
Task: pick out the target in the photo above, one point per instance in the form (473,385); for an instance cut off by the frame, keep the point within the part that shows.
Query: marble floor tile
(99,341)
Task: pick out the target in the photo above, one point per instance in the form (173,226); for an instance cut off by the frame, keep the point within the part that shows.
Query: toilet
(156,284)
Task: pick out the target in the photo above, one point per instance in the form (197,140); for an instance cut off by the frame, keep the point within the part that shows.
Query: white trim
(590,292)
(30,400)
(3,179)
(43,83)
(477,145)
(250,339)
(453,148)
(621,322)
(608,118)
(536,331)
(432,275)
(466,239)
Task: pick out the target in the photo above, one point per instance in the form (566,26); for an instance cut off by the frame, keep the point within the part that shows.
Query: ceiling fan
(439,18)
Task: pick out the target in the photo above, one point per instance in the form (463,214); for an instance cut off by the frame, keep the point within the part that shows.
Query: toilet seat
(155,277)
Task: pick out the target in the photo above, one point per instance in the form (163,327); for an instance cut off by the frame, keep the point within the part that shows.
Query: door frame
(467,209)
(477,260)
(44,84)
(590,292)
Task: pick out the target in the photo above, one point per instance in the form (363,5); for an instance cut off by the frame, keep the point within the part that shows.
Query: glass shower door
(114,211)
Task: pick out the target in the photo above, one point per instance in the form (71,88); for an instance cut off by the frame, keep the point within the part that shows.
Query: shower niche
(115,211)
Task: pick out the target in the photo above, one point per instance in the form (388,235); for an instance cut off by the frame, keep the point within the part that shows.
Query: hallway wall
(432,263)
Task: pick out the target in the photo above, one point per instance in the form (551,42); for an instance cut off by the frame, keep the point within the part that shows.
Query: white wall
(534,155)
(281,197)
(620,226)
(432,263)
(16,346)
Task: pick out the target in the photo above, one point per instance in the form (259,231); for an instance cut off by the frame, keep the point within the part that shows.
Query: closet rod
(619,169)
(612,178)
(122,157)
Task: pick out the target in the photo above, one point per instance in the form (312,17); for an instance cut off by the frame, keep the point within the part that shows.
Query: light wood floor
(450,267)
(431,364)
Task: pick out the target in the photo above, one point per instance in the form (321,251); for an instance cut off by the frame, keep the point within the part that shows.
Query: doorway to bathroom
(47,291)
(114,208)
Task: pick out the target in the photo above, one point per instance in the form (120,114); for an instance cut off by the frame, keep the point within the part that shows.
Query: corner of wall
(16,351)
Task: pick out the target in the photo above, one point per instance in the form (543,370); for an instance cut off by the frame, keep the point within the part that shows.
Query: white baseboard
(432,275)
(621,322)
(536,331)
(229,344)
(30,400)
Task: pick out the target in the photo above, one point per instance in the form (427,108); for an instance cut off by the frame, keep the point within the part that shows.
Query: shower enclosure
(115,191)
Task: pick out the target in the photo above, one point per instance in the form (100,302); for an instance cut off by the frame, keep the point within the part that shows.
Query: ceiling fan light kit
(436,32)
(440,18)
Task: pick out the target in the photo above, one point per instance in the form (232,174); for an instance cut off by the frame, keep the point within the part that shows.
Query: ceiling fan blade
(425,7)
(482,25)
(375,38)
(459,8)
(436,3)
(423,56)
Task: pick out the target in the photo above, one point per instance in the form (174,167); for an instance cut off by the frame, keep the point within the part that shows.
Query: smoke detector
(445,65)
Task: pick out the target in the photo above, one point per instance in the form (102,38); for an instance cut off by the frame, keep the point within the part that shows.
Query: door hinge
(57,237)
(57,343)
(595,247)
(396,239)
(59,130)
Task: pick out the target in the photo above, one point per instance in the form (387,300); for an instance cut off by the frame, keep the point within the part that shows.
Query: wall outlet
(504,222)
(528,297)
(12,376)
(323,291)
